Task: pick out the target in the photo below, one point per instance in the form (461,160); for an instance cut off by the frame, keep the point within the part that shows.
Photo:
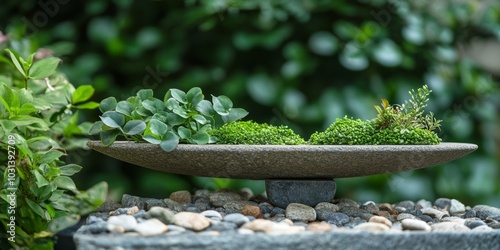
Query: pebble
(182,196)
(324,214)
(372,227)
(108,205)
(151,227)
(327,206)
(453,219)
(351,211)
(449,227)
(456,207)
(247,193)
(174,228)
(494,224)
(403,216)
(319,227)
(128,222)
(277,210)
(415,225)
(173,205)
(131,201)
(270,227)
(237,218)
(297,211)
(384,214)
(202,204)
(442,203)
(483,228)
(265,207)
(343,202)
(424,203)
(408,205)
(470,214)
(483,211)
(162,214)
(370,208)
(222,226)
(221,197)
(338,219)
(434,213)
(212,214)
(251,210)
(193,221)
(93,219)
(474,223)
(97,228)
(287,221)
(237,205)
(380,219)
(385,207)
(149,203)
(425,218)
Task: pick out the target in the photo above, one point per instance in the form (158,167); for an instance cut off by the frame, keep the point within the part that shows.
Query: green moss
(249,132)
(401,136)
(345,131)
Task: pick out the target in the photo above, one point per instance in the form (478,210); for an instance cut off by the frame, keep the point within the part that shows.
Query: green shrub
(249,132)
(39,118)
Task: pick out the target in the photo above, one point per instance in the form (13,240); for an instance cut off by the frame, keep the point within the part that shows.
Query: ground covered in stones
(226,211)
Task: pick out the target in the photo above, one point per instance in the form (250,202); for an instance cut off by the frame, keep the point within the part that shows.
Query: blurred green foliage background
(301,63)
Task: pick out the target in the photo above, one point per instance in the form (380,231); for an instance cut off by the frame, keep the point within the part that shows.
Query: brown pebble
(182,197)
(251,210)
(385,206)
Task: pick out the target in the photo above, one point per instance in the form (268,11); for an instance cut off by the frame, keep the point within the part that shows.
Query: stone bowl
(284,161)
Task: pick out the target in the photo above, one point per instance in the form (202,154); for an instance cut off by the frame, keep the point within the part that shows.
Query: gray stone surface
(309,192)
(284,161)
(331,240)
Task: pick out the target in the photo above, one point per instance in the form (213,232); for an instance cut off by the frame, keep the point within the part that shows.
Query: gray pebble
(236,218)
(474,223)
(370,208)
(408,205)
(483,211)
(442,203)
(403,216)
(425,218)
(277,210)
(173,205)
(265,208)
(470,214)
(221,197)
(338,219)
(162,214)
(456,207)
(323,214)
(131,201)
(149,203)
(212,214)
(222,226)
(202,204)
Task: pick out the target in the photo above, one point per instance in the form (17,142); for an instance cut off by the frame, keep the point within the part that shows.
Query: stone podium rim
(284,161)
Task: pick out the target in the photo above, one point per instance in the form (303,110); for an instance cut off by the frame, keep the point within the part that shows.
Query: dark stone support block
(309,192)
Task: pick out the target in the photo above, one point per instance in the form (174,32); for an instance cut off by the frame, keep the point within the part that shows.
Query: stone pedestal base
(309,192)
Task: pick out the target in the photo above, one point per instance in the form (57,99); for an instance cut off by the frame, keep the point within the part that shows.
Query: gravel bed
(211,219)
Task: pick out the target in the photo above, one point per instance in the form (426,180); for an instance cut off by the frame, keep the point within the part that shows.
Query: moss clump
(249,132)
(402,136)
(345,131)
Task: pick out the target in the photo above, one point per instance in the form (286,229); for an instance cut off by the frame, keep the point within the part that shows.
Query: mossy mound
(249,132)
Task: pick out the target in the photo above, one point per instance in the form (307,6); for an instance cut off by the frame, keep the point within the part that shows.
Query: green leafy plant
(39,123)
(179,117)
(249,132)
(395,124)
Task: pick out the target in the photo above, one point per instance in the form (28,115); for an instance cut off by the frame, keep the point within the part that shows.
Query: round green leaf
(151,139)
(124,107)
(113,119)
(145,94)
(201,138)
(195,96)
(222,104)
(169,142)
(157,127)
(184,133)
(205,107)
(134,127)
(107,104)
(65,182)
(179,95)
